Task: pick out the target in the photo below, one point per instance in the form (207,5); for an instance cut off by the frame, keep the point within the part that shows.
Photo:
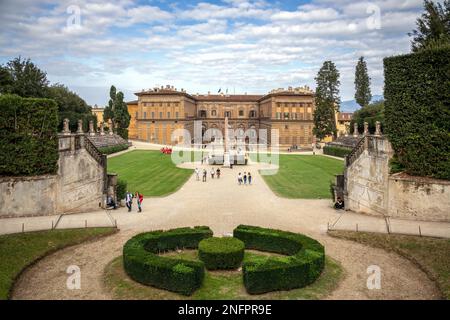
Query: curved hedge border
(142,263)
(221,253)
(302,267)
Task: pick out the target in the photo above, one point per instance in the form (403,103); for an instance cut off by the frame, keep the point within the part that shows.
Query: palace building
(160,111)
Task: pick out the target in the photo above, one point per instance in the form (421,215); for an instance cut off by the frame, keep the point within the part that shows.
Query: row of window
(293,116)
(152,115)
(293,105)
(204,113)
(160,104)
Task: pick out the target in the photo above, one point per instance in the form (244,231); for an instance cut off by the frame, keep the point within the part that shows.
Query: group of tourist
(213,173)
(129,200)
(243,178)
(110,203)
(166,150)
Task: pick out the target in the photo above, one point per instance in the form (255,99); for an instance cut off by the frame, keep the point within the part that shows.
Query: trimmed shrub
(143,264)
(417,111)
(221,253)
(28,136)
(302,267)
(121,189)
(114,149)
(336,151)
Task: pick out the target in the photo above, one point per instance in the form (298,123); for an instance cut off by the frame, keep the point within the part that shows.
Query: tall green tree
(117,112)
(370,113)
(433,27)
(71,106)
(363,94)
(24,78)
(327,100)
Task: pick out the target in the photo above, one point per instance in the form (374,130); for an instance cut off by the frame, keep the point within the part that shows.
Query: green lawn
(431,254)
(150,172)
(218,285)
(304,176)
(17,251)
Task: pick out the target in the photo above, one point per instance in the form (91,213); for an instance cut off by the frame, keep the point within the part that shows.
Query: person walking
(239,178)
(218,173)
(245,178)
(249,175)
(213,172)
(139,199)
(197,174)
(204,175)
(129,200)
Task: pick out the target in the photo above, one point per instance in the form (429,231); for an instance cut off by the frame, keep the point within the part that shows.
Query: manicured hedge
(28,136)
(336,151)
(221,253)
(114,149)
(417,111)
(302,267)
(143,264)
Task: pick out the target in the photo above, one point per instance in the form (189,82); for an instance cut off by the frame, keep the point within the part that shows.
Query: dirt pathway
(222,205)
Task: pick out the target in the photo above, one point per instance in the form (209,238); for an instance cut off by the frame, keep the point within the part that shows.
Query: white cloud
(251,45)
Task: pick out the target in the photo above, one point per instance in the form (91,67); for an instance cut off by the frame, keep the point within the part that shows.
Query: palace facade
(160,111)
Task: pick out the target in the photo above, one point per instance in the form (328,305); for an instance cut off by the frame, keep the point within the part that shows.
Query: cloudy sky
(244,45)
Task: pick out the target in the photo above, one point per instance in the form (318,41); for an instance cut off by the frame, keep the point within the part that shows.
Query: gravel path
(222,205)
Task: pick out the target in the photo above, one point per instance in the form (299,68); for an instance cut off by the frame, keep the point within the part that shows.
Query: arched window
(214,113)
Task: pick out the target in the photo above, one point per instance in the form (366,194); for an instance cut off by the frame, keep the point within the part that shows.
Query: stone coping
(27,178)
(425,180)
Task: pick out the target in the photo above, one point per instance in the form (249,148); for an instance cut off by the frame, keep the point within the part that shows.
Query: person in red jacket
(139,199)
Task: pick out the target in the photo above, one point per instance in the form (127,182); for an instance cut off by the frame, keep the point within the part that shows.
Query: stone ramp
(106,140)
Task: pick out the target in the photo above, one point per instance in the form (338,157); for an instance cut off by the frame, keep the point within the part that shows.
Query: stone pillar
(355,130)
(111,128)
(366,128)
(66,129)
(378,128)
(91,128)
(102,129)
(80,126)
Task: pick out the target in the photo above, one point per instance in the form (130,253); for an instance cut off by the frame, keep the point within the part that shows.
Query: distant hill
(352,106)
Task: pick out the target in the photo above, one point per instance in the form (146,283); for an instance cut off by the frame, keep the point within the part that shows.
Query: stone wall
(367,178)
(419,198)
(370,189)
(28,196)
(80,184)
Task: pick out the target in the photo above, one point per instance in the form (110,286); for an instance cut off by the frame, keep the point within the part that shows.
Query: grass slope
(304,176)
(17,251)
(150,172)
(431,254)
(218,285)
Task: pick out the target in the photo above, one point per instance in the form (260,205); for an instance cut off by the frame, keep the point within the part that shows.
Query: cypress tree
(363,96)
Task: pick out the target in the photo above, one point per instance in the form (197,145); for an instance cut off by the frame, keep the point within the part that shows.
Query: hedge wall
(417,111)
(302,267)
(336,151)
(28,136)
(221,253)
(114,149)
(142,263)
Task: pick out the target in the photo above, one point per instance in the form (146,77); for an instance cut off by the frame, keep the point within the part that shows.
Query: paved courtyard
(222,205)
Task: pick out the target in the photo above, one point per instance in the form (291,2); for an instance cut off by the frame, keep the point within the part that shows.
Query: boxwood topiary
(142,263)
(221,253)
(302,267)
